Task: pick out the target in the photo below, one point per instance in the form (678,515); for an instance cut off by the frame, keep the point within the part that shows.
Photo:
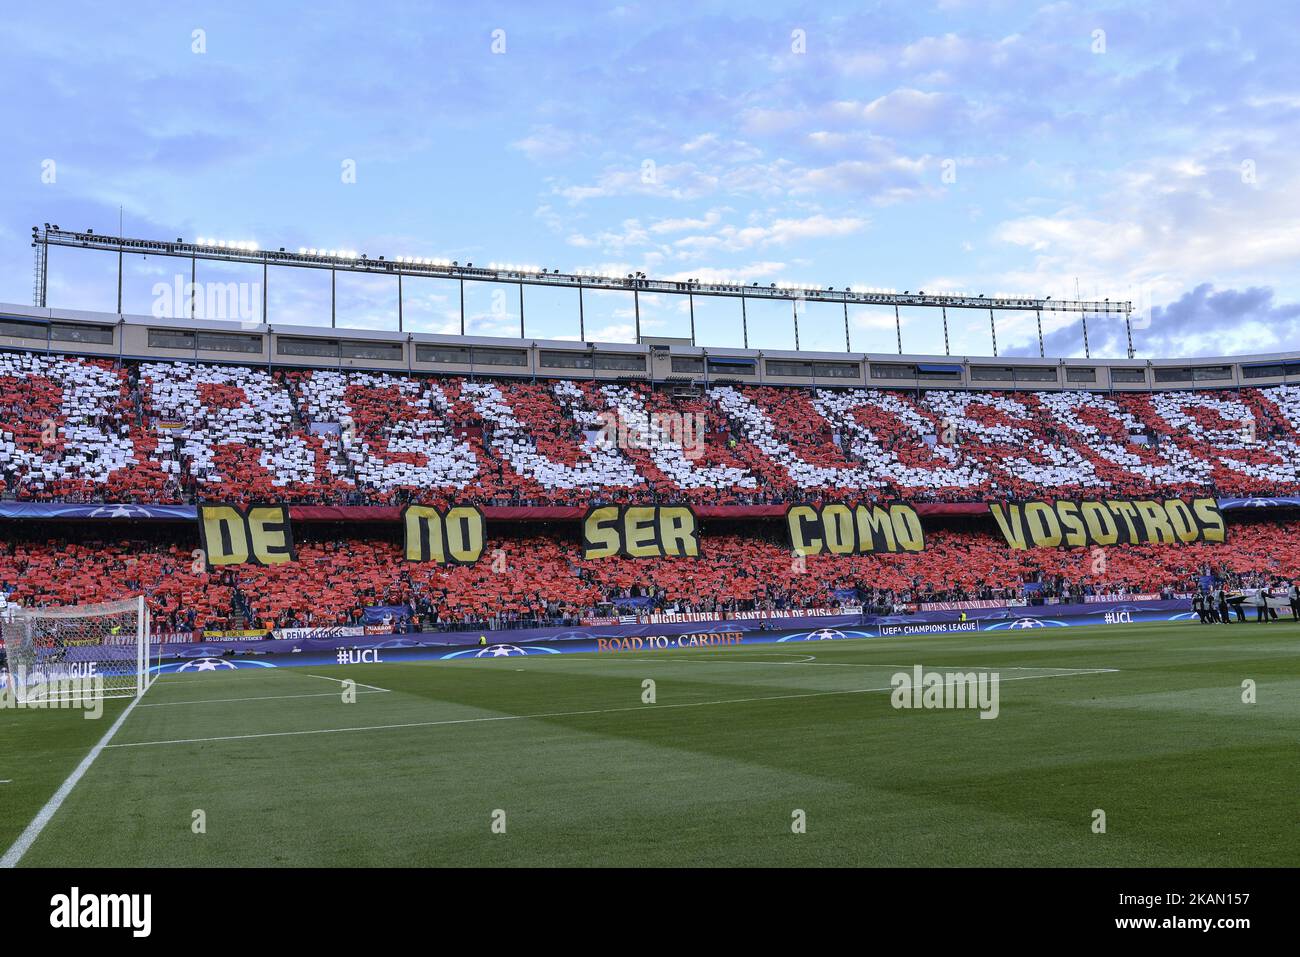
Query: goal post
(100,651)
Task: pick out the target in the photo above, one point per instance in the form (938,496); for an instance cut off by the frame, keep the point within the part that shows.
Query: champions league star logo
(121,511)
(1019,623)
(825,634)
(207,664)
(1256,502)
(213,664)
(502,651)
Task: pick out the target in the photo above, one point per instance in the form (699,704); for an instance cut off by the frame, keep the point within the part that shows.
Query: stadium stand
(541,577)
(92,430)
(79,429)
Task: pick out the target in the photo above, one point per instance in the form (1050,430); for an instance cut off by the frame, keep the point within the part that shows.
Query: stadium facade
(127,425)
(113,336)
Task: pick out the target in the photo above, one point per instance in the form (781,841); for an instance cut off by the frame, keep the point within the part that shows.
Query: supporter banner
(1043,524)
(1249,597)
(375,614)
(788,613)
(840,529)
(456,536)
(334,631)
(665,618)
(244,634)
(640,531)
(235,535)
(670,618)
(970,604)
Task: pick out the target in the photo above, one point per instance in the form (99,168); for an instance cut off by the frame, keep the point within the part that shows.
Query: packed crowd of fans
(543,579)
(76,430)
(95,430)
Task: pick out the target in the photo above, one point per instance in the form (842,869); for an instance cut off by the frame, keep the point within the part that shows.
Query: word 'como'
(842,529)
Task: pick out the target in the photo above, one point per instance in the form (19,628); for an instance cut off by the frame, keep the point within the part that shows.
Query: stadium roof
(521,276)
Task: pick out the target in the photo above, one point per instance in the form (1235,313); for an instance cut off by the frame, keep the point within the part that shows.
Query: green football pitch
(775,754)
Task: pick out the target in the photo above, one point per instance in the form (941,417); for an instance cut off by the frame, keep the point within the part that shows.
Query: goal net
(99,651)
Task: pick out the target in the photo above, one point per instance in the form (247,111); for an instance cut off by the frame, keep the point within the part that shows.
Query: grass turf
(710,774)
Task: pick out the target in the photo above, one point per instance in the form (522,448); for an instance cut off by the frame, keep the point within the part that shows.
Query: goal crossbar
(96,651)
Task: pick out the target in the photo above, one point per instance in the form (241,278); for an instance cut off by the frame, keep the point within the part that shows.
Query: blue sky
(1139,151)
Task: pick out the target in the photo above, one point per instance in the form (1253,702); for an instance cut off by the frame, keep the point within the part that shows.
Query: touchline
(74,910)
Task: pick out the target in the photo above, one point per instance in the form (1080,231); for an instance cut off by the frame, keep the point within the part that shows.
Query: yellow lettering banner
(1043,524)
(455,536)
(840,529)
(235,535)
(640,531)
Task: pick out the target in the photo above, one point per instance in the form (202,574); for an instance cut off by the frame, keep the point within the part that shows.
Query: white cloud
(779,232)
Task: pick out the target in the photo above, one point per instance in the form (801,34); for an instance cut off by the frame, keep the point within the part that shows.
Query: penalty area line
(549,714)
(33,830)
(269,697)
(342,680)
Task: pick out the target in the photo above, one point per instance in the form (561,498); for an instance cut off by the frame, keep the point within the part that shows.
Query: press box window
(722,365)
(446,355)
(170,339)
(1193,374)
(620,363)
(566,360)
(318,348)
(1035,373)
(837,370)
(890,370)
(23,330)
(1274,371)
(224,342)
(500,357)
(96,335)
(787,367)
(1128,375)
(379,351)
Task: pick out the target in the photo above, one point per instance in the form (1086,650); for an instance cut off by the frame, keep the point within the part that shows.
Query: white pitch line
(872,664)
(549,714)
(270,697)
(33,830)
(342,680)
(844,664)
